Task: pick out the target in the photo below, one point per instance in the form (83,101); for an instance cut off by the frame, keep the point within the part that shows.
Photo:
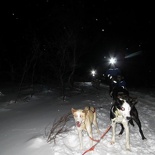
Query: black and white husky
(123,111)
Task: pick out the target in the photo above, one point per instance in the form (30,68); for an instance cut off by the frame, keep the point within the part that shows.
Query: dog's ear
(133,101)
(73,110)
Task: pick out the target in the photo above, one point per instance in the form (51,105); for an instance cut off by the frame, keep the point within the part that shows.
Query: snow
(25,124)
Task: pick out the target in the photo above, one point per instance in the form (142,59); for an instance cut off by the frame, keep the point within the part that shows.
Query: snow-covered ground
(26,124)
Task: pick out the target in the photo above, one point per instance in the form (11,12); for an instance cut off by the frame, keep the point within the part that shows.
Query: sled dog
(123,111)
(118,91)
(84,119)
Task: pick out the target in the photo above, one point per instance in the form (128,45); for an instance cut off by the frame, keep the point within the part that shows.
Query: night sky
(100,29)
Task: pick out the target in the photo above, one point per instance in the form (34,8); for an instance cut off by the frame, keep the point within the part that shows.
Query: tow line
(92,148)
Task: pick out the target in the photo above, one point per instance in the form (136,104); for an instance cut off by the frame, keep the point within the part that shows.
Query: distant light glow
(93,72)
(112,61)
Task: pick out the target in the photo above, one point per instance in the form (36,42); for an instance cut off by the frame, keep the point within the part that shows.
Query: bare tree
(61,58)
(31,63)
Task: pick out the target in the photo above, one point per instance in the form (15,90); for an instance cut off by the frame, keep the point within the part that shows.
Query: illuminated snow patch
(36,142)
(71,141)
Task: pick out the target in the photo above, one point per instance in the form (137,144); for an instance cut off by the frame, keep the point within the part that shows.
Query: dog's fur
(84,118)
(123,111)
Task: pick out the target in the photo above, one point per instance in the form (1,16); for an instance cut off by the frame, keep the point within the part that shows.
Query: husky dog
(84,118)
(123,111)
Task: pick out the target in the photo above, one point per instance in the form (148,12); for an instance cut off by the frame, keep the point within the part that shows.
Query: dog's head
(123,108)
(130,100)
(79,116)
(119,91)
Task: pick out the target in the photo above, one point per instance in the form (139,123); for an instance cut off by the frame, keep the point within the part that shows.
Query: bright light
(93,72)
(112,61)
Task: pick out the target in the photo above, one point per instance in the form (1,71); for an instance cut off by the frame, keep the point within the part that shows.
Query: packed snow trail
(24,124)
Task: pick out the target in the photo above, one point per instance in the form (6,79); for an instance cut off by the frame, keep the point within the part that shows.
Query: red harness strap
(92,148)
(95,140)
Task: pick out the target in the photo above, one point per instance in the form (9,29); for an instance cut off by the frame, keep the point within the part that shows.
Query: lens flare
(112,61)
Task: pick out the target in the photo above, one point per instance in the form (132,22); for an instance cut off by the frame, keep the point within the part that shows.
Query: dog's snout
(78,124)
(128,118)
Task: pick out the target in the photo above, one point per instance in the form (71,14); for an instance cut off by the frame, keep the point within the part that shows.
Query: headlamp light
(112,61)
(93,72)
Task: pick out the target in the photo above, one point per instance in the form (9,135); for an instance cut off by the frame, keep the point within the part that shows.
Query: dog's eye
(122,108)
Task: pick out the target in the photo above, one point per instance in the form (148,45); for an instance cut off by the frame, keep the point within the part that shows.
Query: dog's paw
(99,132)
(128,149)
(119,135)
(112,142)
(144,138)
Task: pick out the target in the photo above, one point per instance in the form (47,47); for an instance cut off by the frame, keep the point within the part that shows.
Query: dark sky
(101,28)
